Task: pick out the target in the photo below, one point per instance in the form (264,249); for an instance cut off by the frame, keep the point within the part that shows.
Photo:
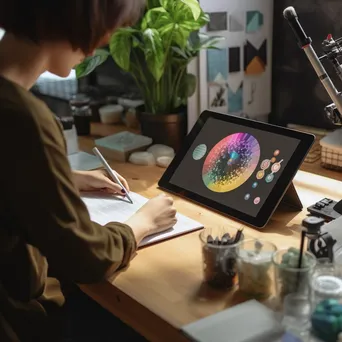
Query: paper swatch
(255,20)
(217,61)
(255,59)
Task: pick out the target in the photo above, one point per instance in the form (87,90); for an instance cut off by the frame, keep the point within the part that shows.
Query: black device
(332,51)
(320,244)
(326,208)
(238,167)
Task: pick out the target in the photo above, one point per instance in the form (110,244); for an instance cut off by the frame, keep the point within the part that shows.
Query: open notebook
(107,208)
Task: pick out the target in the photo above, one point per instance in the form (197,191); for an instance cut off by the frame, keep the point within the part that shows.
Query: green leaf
(154,53)
(203,19)
(180,52)
(153,3)
(194,7)
(190,25)
(91,63)
(203,41)
(167,29)
(180,36)
(121,46)
(154,18)
(188,86)
(164,3)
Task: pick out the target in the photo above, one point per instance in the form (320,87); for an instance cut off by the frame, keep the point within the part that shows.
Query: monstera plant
(157,52)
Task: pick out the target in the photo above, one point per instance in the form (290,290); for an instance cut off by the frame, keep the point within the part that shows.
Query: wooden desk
(162,289)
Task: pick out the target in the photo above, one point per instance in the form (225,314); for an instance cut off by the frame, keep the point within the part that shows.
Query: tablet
(236,166)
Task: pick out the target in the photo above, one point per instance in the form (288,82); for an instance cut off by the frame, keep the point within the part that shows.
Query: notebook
(247,322)
(108,208)
(83,161)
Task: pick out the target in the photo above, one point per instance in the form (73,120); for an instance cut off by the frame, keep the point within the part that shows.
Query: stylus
(110,171)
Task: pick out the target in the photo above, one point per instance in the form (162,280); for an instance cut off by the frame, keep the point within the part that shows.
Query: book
(247,322)
(83,161)
(105,208)
(121,145)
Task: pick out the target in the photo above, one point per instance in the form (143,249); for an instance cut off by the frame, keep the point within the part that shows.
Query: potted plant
(157,52)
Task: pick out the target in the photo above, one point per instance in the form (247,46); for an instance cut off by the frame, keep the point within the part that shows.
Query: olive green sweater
(45,227)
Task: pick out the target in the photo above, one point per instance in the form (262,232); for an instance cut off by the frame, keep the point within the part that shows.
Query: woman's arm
(47,208)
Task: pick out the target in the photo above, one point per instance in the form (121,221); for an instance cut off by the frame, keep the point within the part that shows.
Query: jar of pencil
(219,256)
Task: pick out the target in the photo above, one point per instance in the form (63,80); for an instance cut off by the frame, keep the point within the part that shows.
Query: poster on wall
(218,97)
(236,78)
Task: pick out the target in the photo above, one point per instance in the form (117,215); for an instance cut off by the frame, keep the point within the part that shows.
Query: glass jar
(326,282)
(288,277)
(219,256)
(296,315)
(255,268)
(82,113)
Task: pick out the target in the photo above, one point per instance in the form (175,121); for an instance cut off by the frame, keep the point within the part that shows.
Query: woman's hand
(156,216)
(99,180)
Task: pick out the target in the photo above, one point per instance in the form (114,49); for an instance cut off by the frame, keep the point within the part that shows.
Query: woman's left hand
(99,180)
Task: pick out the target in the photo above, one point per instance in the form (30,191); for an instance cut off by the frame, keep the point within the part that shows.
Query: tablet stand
(291,199)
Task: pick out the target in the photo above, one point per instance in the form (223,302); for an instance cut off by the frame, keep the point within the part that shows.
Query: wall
(237,78)
(298,96)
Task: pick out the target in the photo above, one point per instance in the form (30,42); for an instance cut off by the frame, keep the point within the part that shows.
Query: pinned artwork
(257,101)
(254,21)
(217,61)
(218,21)
(235,99)
(237,22)
(252,93)
(255,59)
(234,59)
(218,97)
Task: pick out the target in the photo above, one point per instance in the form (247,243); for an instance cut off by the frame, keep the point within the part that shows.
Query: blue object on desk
(288,337)
(327,320)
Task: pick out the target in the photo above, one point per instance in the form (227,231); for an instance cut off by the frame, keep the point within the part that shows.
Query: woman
(45,228)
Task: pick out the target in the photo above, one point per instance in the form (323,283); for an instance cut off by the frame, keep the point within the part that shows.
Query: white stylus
(111,172)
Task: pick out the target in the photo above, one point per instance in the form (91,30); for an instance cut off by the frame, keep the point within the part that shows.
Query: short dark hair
(84,23)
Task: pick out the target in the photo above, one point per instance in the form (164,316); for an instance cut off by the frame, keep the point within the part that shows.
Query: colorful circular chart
(265,164)
(231,162)
(276,167)
(199,152)
(269,178)
(260,174)
(256,200)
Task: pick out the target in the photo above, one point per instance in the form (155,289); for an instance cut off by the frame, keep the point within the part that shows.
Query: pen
(110,171)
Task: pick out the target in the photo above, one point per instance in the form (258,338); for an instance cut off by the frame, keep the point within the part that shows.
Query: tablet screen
(234,165)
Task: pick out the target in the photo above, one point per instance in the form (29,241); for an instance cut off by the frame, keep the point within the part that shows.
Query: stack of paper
(107,208)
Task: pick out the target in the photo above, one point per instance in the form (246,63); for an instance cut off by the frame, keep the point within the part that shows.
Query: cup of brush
(219,255)
(293,271)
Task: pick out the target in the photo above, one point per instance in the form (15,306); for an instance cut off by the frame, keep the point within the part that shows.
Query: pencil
(111,172)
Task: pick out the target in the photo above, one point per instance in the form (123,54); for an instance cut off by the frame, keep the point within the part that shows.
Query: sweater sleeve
(48,208)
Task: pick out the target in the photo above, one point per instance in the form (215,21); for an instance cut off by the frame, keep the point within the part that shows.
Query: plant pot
(166,129)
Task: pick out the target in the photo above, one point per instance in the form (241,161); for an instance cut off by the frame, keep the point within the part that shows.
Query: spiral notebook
(108,208)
